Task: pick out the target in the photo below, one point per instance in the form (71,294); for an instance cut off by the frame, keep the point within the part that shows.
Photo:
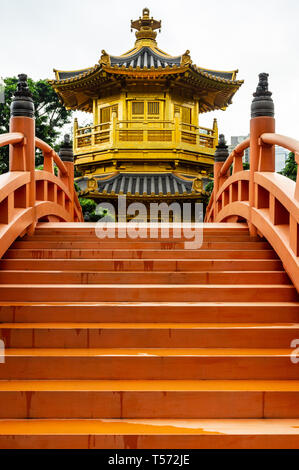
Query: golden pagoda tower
(145,141)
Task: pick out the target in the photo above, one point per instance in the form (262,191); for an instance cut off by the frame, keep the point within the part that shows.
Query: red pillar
(22,157)
(262,157)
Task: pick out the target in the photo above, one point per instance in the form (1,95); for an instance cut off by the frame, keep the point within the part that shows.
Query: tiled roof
(141,184)
(65,75)
(145,57)
(225,75)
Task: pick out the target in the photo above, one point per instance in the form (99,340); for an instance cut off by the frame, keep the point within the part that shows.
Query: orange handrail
(11,138)
(48,150)
(238,150)
(277,139)
(267,200)
(26,194)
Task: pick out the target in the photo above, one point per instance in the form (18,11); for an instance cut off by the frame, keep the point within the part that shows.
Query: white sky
(250,35)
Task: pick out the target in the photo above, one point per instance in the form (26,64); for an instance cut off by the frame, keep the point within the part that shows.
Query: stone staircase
(123,343)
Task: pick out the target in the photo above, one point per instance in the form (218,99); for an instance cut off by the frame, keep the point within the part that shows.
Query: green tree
(290,169)
(208,191)
(90,211)
(50,115)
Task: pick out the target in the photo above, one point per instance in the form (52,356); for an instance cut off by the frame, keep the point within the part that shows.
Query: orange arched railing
(26,194)
(268,201)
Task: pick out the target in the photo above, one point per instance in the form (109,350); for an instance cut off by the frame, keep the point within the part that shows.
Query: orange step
(69,399)
(37,244)
(88,228)
(150,434)
(201,277)
(164,265)
(138,312)
(148,335)
(141,343)
(208,237)
(138,254)
(146,292)
(150,363)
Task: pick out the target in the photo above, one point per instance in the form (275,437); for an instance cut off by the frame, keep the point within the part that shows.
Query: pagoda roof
(145,61)
(134,184)
(146,58)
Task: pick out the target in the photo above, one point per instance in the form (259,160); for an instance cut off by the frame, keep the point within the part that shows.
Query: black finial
(22,102)
(221,152)
(66,149)
(262,103)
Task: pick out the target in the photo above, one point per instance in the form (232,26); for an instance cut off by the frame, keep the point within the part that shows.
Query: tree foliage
(92,213)
(50,115)
(290,169)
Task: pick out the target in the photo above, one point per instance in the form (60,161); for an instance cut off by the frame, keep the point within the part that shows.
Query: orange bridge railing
(268,201)
(26,194)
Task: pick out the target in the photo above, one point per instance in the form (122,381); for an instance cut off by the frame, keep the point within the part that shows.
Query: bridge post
(66,155)
(220,156)
(22,157)
(262,157)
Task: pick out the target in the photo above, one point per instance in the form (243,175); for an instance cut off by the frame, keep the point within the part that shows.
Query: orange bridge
(142,343)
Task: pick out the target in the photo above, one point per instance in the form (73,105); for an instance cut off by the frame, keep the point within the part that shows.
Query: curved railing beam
(11,181)
(240,176)
(48,208)
(281,188)
(238,151)
(286,142)
(44,147)
(236,208)
(11,231)
(11,138)
(279,238)
(42,175)
(276,235)
(27,194)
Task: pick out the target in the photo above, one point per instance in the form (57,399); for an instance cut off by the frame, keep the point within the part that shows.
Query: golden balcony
(149,135)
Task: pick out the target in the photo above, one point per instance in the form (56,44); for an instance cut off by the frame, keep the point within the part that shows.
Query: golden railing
(118,132)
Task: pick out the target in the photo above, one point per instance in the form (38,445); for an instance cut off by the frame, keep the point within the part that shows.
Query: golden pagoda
(145,141)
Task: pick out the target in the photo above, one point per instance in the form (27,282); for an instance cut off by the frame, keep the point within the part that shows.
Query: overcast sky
(250,35)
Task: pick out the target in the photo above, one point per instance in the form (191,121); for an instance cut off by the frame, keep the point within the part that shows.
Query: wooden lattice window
(186,115)
(106,113)
(153,107)
(138,107)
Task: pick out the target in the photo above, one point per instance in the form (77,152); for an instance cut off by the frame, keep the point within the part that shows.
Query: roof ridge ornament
(186,59)
(105,58)
(146,26)
(262,103)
